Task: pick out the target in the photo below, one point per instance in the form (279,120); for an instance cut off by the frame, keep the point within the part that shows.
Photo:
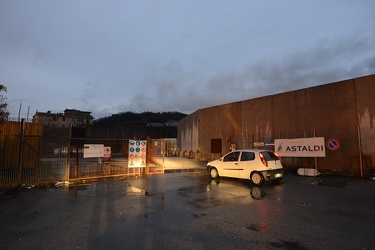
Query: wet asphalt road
(189,211)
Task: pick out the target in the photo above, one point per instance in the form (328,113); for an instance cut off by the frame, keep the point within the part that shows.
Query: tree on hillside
(138,119)
(3,105)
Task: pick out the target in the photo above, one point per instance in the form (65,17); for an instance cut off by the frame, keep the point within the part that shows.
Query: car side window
(247,156)
(232,156)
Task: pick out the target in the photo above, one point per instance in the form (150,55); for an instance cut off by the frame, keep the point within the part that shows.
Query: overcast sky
(111,56)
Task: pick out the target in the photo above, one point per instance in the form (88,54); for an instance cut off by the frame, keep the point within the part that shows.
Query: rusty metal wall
(349,159)
(345,160)
(30,154)
(344,109)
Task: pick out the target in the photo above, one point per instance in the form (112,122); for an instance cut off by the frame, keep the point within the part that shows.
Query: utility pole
(28,110)
(19,112)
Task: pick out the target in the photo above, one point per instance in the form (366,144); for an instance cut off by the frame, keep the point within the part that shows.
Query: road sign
(137,153)
(107,152)
(333,144)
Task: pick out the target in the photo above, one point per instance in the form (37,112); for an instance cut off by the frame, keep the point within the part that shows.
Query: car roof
(253,150)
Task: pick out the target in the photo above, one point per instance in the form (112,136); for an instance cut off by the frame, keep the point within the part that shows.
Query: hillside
(139,119)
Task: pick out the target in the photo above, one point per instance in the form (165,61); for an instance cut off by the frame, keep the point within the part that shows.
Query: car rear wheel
(257,178)
(214,174)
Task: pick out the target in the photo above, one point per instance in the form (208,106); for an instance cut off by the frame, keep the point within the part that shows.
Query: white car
(256,165)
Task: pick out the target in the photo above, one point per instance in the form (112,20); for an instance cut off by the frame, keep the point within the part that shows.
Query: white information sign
(93,150)
(137,153)
(301,147)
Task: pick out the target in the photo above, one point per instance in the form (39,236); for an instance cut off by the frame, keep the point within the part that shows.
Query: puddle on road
(94,188)
(331,183)
(261,228)
(78,187)
(283,244)
(238,188)
(218,192)
(257,193)
(134,190)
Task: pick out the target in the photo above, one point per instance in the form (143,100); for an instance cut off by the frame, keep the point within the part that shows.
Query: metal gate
(16,168)
(32,154)
(117,163)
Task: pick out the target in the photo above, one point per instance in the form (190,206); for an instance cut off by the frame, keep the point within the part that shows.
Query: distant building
(70,117)
(170,123)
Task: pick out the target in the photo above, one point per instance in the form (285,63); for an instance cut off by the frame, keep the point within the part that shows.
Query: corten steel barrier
(29,154)
(350,159)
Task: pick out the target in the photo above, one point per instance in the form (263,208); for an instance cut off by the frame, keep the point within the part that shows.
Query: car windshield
(270,156)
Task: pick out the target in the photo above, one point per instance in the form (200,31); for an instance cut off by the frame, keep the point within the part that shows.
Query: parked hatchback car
(256,165)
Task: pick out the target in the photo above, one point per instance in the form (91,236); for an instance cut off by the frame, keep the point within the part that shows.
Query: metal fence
(29,154)
(118,163)
(32,154)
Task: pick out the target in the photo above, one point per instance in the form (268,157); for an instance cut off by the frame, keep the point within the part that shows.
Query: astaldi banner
(137,154)
(301,147)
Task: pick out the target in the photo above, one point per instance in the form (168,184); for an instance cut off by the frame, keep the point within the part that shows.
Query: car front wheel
(214,174)
(257,178)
